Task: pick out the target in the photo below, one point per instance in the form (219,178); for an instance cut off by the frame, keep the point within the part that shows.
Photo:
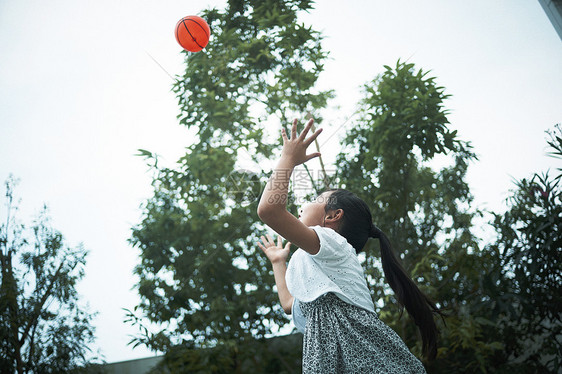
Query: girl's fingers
(312,155)
(279,241)
(271,242)
(312,137)
(303,134)
(288,245)
(294,129)
(284,135)
(266,243)
(261,246)
(306,129)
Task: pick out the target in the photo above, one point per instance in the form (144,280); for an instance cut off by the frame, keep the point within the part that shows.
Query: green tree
(527,276)
(200,280)
(389,159)
(42,327)
(504,312)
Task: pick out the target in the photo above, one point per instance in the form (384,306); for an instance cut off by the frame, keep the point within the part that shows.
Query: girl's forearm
(274,197)
(285,297)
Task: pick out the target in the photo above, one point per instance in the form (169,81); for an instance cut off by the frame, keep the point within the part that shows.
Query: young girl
(324,286)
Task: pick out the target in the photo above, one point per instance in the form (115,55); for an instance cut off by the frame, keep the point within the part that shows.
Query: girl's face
(313,213)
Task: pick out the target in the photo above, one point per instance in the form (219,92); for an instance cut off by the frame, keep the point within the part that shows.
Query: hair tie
(375,232)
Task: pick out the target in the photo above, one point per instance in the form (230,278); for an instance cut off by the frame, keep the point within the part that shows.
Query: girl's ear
(334,216)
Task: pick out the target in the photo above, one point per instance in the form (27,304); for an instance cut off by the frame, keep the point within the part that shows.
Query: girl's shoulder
(332,244)
(329,235)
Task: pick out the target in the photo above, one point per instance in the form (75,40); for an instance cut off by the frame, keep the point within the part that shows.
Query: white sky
(79,95)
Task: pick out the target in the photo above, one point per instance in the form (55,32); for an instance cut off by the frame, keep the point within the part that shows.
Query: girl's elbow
(262,212)
(266,213)
(288,305)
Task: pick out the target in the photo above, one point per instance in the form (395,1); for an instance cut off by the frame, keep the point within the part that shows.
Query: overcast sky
(79,94)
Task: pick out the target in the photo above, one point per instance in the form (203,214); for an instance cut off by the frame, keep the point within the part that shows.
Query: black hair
(357,227)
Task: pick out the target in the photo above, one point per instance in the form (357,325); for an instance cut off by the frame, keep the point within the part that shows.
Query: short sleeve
(333,246)
(298,317)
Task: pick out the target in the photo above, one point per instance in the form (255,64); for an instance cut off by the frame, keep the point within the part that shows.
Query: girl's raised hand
(294,148)
(274,252)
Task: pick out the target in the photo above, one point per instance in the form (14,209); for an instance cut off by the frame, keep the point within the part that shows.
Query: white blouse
(335,268)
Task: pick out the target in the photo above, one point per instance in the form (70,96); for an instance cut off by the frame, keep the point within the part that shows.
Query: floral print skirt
(343,338)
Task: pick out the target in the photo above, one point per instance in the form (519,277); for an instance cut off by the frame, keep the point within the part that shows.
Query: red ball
(192,33)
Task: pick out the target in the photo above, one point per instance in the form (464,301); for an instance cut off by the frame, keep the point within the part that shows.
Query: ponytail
(418,305)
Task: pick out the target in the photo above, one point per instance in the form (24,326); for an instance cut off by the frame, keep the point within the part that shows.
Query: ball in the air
(192,33)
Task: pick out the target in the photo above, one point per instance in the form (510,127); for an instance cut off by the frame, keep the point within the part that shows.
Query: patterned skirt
(342,338)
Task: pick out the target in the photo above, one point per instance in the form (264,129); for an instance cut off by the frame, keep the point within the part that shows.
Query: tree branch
(39,307)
